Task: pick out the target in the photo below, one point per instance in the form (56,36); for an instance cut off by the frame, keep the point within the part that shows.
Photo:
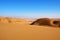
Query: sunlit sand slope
(10,31)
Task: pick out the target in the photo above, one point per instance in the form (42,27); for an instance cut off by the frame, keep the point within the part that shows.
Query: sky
(30,8)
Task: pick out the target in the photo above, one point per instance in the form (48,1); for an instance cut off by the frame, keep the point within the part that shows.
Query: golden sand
(24,31)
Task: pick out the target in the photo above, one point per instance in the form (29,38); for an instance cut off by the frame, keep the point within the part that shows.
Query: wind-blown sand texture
(24,31)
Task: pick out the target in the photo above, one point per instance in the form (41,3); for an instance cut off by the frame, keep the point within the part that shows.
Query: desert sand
(20,29)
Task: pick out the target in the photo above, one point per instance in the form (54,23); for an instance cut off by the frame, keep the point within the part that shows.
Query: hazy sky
(30,8)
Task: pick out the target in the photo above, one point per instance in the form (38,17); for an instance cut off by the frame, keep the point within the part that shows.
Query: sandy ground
(24,31)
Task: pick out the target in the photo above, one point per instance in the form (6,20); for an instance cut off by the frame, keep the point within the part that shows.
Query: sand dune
(13,20)
(24,31)
(3,20)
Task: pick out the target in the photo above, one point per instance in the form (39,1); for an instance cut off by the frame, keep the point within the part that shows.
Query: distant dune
(12,20)
(20,29)
(3,20)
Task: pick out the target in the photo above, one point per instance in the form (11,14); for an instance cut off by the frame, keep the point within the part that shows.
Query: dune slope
(10,31)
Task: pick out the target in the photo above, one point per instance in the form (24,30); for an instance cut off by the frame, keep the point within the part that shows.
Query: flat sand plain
(24,31)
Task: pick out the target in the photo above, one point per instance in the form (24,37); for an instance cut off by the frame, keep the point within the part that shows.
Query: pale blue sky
(30,8)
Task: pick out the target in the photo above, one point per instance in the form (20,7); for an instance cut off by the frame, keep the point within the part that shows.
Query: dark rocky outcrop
(46,22)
